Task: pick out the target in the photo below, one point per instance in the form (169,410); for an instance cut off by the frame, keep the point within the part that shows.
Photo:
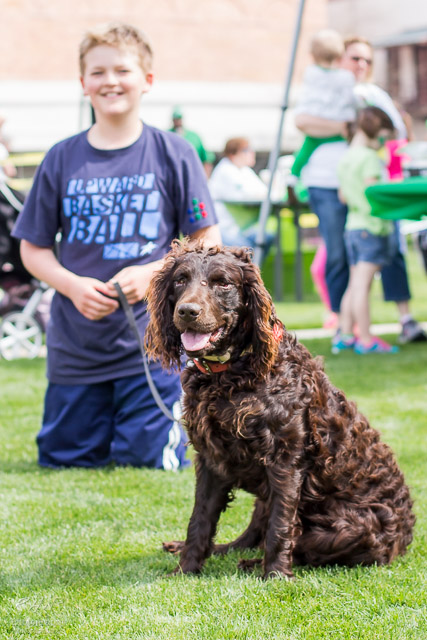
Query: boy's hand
(133,281)
(89,296)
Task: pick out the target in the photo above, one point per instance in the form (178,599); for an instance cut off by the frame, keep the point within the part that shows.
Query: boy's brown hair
(121,36)
(371,120)
(326,46)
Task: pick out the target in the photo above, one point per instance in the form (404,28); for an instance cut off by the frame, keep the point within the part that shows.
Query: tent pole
(274,154)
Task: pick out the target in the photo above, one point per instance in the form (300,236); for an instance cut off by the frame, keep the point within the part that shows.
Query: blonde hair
(349,40)
(326,46)
(121,36)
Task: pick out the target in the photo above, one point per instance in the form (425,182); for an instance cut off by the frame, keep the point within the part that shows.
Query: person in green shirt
(207,157)
(368,239)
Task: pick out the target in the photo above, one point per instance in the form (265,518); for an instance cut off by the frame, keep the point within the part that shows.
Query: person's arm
(134,280)
(210,236)
(320,127)
(87,294)
(341,197)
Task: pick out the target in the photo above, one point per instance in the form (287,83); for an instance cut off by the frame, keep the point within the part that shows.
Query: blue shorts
(91,425)
(363,246)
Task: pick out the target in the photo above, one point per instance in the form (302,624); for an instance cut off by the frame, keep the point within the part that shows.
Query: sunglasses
(359,58)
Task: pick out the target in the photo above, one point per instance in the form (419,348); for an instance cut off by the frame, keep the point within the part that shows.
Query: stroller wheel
(21,336)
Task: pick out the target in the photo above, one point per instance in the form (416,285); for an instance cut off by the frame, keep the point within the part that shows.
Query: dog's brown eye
(179,282)
(224,285)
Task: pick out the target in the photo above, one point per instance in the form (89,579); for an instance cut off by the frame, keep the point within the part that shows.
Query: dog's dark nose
(189,311)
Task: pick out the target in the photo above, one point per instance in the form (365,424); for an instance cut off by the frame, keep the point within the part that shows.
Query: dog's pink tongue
(193,341)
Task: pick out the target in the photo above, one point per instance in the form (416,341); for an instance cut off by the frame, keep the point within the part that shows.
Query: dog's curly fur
(327,489)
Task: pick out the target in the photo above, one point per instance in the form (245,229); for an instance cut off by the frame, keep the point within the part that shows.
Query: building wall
(398,30)
(223,61)
(377,19)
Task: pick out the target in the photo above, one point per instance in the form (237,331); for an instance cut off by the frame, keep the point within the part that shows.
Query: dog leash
(132,322)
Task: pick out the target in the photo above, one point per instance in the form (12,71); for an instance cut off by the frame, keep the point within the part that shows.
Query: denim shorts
(363,246)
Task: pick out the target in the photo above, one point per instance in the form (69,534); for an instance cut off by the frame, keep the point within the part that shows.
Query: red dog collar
(210,367)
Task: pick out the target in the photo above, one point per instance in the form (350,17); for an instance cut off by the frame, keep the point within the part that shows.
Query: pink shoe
(375,346)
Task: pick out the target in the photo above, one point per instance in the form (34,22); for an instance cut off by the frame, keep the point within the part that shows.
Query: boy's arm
(320,127)
(87,294)
(134,280)
(210,236)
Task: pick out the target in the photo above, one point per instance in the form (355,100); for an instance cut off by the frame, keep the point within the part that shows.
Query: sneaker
(376,346)
(412,332)
(342,343)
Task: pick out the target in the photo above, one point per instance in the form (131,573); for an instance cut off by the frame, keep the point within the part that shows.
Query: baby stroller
(24,302)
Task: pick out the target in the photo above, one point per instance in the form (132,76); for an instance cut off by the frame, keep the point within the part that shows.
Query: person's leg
(394,277)
(346,313)
(143,435)
(332,215)
(362,276)
(77,426)
(344,338)
(318,274)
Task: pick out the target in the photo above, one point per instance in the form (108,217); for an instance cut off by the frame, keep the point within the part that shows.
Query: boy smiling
(119,193)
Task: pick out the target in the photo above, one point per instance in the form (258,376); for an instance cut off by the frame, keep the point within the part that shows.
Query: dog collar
(209,367)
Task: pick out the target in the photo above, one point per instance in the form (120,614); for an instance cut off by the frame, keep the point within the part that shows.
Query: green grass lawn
(80,550)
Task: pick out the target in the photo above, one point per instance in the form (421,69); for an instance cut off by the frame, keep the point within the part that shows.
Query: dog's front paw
(175,546)
(179,569)
(278,573)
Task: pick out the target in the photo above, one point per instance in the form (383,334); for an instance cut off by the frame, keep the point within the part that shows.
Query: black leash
(131,319)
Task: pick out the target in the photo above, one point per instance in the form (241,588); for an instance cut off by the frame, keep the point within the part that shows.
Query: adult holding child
(119,193)
(321,178)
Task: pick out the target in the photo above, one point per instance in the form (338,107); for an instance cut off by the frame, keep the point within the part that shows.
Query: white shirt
(321,169)
(231,183)
(4,154)
(327,93)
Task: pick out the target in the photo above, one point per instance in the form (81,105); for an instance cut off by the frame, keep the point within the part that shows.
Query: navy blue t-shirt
(114,208)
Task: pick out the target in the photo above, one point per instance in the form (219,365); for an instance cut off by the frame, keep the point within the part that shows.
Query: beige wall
(197,40)
(223,61)
(374,19)
(381,21)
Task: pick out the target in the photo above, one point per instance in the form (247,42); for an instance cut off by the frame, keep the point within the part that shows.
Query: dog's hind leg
(253,536)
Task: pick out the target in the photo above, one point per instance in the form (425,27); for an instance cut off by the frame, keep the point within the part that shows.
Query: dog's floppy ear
(261,322)
(162,339)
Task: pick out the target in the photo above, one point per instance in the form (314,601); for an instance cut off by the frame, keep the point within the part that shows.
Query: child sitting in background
(327,92)
(368,240)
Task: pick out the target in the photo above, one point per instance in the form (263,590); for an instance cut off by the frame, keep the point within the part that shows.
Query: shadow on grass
(19,466)
(103,572)
(30,466)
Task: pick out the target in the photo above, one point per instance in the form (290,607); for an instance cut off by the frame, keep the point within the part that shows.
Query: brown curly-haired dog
(263,416)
